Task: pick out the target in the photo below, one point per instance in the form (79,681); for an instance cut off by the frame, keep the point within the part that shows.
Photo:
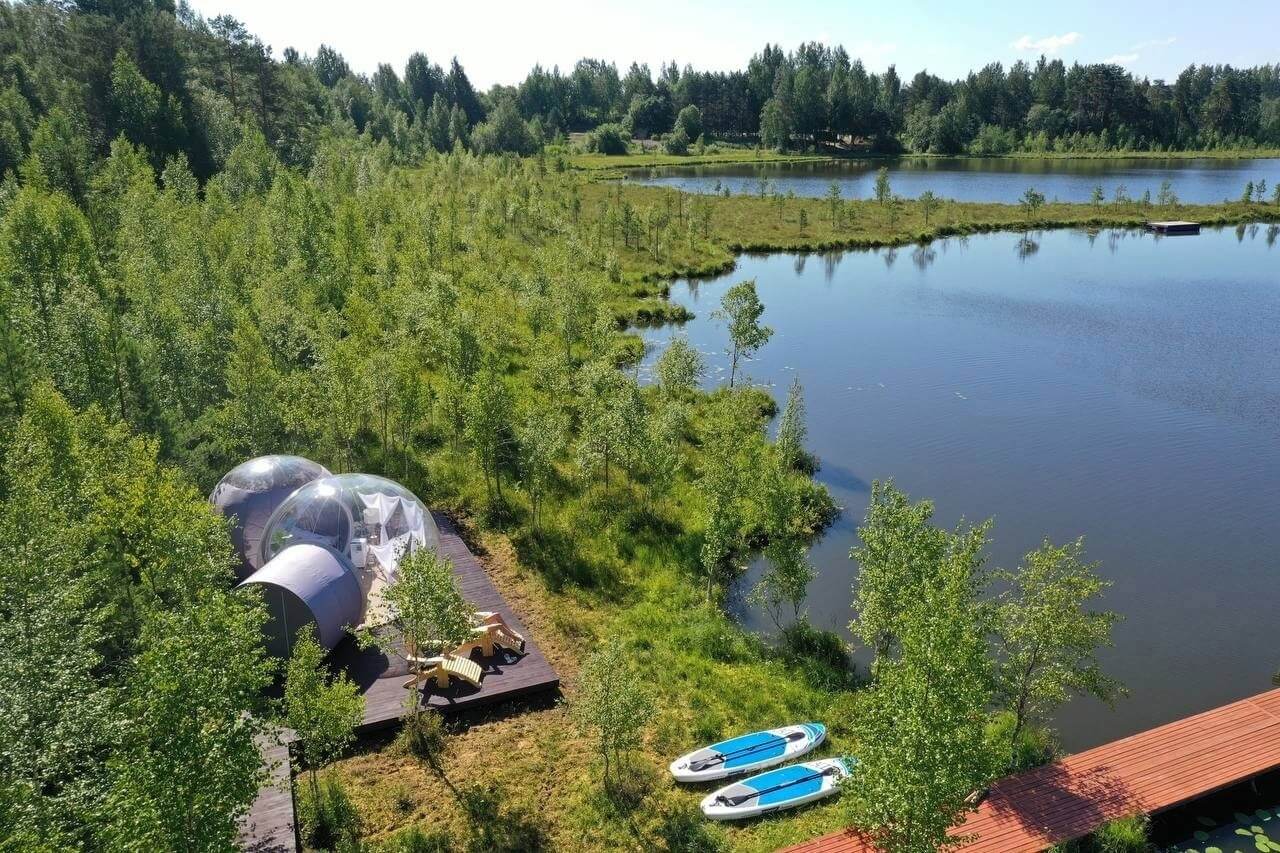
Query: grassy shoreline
(745,224)
(604,166)
(601,569)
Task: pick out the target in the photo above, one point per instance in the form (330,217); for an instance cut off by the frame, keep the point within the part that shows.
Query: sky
(498,41)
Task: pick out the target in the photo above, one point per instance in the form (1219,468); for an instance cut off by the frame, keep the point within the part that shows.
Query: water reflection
(1196,181)
(1131,395)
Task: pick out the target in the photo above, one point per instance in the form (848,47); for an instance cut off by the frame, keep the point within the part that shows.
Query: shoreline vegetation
(604,163)
(208,254)
(740,224)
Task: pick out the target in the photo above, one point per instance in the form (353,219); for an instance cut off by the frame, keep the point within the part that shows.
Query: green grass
(748,223)
(606,563)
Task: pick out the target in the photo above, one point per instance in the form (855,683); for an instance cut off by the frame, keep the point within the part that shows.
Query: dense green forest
(208,253)
(75,76)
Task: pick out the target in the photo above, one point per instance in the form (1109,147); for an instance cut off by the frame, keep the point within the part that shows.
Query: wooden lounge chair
(492,631)
(442,668)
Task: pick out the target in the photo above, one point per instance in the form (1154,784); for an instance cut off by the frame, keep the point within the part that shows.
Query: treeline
(75,76)
(820,94)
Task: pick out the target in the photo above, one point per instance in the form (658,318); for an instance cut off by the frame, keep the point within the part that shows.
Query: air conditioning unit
(359,550)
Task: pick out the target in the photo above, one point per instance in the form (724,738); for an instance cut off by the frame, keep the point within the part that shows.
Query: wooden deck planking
(506,675)
(1148,772)
(270,825)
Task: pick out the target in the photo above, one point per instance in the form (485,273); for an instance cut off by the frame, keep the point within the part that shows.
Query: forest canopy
(76,76)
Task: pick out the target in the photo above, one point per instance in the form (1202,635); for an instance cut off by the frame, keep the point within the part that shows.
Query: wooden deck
(269,827)
(506,675)
(1148,772)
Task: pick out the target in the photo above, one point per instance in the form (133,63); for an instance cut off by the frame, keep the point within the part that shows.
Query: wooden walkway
(1145,773)
(269,826)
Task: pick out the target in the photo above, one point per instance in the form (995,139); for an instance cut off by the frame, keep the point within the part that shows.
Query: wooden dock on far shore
(1174,226)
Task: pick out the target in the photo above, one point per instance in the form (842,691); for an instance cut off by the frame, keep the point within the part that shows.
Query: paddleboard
(746,753)
(778,789)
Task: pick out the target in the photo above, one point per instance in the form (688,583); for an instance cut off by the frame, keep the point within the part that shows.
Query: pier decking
(269,826)
(1176,226)
(1149,772)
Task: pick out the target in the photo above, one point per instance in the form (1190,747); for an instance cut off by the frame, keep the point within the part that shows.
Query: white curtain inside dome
(396,525)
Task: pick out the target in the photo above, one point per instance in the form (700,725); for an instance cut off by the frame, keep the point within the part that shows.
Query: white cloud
(1143,45)
(1120,59)
(1048,44)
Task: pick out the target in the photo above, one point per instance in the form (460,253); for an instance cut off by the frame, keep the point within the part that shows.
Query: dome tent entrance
(308,585)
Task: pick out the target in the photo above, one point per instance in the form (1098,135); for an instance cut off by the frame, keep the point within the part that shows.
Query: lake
(1113,385)
(981,179)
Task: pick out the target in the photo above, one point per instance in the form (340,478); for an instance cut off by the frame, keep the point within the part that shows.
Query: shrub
(690,121)
(327,818)
(1125,835)
(1036,746)
(424,736)
(677,142)
(608,139)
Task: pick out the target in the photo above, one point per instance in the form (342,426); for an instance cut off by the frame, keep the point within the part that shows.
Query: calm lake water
(981,179)
(1113,385)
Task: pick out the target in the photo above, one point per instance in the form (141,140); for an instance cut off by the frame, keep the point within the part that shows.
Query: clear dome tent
(308,585)
(251,492)
(370,520)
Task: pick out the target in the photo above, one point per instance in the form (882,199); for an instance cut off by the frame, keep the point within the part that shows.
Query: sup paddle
(742,798)
(721,757)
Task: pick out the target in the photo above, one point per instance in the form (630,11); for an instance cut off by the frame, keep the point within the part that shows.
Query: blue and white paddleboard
(745,753)
(774,790)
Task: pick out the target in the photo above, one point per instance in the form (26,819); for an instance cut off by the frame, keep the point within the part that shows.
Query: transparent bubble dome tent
(321,547)
(370,520)
(251,492)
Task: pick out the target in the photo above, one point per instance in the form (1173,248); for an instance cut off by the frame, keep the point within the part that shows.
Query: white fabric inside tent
(399,528)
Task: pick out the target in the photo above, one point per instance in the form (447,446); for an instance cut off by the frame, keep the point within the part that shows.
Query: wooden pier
(1146,773)
(1174,226)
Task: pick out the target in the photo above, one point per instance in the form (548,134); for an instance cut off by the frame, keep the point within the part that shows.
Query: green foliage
(609,139)
(130,661)
(1032,746)
(676,142)
(1123,835)
(741,309)
(792,431)
(775,126)
(900,551)
(732,445)
(504,131)
(920,727)
(1031,202)
(680,368)
(689,121)
(322,711)
(613,705)
(429,612)
(928,204)
(1047,637)
(883,193)
(327,818)
(423,736)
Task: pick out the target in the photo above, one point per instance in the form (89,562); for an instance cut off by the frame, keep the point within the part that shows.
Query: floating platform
(1176,226)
